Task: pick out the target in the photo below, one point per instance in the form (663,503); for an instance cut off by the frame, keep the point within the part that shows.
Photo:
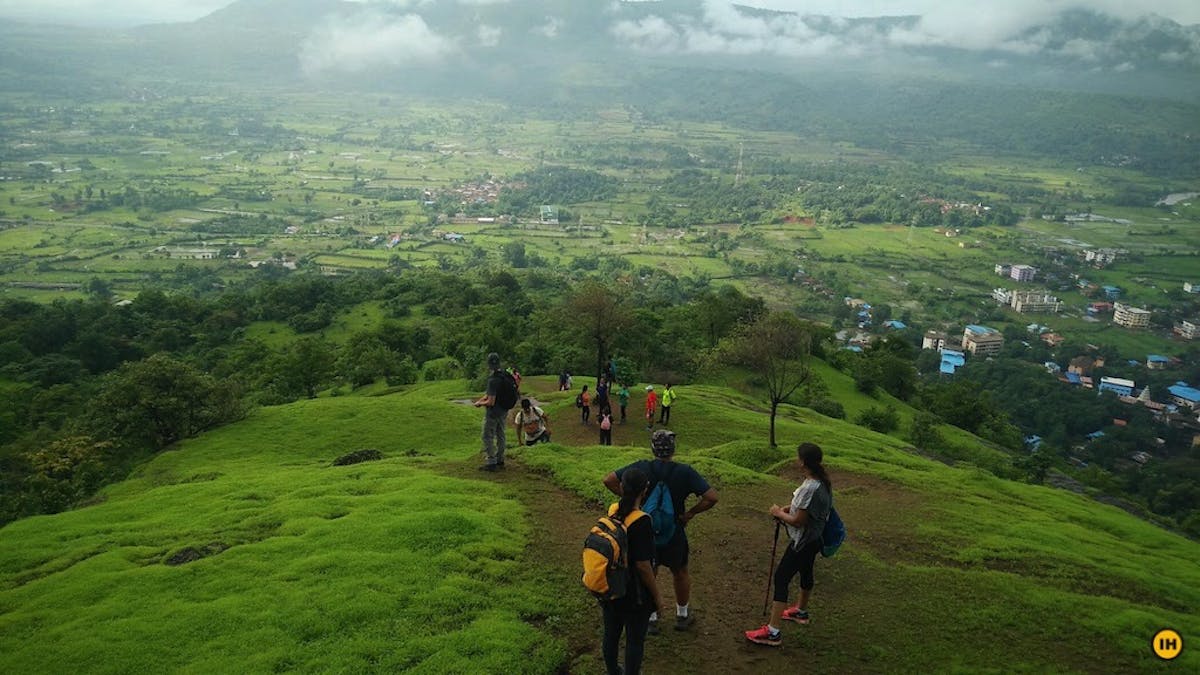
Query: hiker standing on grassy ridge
(500,397)
(631,613)
(605,425)
(677,480)
(651,404)
(805,520)
(668,399)
(623,400)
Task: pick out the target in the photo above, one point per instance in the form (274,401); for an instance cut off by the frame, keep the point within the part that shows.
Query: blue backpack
(833,535)
(661,509)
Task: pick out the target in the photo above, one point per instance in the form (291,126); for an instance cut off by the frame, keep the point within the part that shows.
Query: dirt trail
(865,610)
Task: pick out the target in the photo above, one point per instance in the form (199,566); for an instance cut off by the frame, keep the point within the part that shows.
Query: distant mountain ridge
(1080,38)
(522,45)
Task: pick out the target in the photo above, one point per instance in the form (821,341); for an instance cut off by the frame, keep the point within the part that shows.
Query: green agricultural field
(329,186)
(245,549)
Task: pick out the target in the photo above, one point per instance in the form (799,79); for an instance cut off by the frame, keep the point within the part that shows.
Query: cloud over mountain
(370,40)
(1057,29)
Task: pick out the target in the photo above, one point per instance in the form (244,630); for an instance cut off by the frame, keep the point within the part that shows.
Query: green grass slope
(245,551)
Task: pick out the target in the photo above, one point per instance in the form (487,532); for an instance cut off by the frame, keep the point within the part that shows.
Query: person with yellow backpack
(618,568)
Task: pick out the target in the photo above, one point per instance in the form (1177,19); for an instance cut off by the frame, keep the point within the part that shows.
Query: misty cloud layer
(372,40)
(1018,27)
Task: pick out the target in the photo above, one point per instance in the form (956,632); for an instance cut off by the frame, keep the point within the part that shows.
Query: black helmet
(662,443)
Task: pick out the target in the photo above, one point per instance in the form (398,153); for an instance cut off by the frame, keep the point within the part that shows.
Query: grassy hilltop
(244,550)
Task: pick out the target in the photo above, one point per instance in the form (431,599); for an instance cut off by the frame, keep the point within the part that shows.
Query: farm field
(315,185)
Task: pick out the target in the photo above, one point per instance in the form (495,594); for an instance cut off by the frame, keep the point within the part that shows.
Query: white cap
(649,387)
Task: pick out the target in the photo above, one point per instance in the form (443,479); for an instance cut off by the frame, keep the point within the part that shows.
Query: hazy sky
(1001,12)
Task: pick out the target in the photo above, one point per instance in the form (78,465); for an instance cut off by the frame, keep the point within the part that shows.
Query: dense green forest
(91,389)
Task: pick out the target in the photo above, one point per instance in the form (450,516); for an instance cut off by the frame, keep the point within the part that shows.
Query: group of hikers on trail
(646,528)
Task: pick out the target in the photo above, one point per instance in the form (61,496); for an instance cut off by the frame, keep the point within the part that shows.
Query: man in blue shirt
(682,480)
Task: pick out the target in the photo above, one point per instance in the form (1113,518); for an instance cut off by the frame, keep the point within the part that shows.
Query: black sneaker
(684,622)
(652,629)
(500,464)
(488,467)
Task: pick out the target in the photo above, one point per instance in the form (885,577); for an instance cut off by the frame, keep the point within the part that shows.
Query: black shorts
(675,554)
(544,438)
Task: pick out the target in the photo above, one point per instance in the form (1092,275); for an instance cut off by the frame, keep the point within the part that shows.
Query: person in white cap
(651,405)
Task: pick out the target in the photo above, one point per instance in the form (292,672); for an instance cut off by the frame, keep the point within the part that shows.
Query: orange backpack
(606,555)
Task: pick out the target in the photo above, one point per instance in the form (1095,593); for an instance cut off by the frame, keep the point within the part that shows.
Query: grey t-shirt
(494,382)
(814,497)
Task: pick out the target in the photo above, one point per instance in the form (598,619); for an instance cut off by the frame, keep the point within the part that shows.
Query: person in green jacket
(668,397)
(623,399)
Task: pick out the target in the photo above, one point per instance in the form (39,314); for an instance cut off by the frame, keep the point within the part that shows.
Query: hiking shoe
(652,629)
(763,636)
(794,613)
(684,622)
(500,464)
(488,467)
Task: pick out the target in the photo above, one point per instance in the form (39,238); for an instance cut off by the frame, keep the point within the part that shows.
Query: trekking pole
(774,546)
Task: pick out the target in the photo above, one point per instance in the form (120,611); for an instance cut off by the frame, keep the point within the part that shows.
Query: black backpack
(506,390)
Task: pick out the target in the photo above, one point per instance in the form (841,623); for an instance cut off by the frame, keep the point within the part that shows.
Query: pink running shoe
(763,636)
(794,613)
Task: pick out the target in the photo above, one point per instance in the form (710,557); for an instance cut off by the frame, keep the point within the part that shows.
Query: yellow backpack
(606,555)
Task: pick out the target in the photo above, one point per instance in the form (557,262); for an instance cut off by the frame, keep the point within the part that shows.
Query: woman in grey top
(805,520)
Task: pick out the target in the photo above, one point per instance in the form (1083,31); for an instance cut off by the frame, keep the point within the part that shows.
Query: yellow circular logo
(1167,644)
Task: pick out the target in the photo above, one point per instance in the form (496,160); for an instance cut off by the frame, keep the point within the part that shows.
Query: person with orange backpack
(618,558)
(583,401)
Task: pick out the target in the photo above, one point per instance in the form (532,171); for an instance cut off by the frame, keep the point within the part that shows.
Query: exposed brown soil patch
(872,604)
(190,554)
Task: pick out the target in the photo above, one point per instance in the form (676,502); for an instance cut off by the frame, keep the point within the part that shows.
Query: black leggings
(794,561)
(635,621)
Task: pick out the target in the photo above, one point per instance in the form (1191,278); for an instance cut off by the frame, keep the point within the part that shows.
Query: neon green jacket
(668,397)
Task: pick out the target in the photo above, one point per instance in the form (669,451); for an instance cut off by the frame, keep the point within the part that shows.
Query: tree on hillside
(601,317)
(777,348)
(159,401)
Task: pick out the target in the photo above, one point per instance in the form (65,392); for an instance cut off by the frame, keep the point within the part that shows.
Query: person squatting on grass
(533,421)
(494,440)
(682,480)
(805,520)
(631,613)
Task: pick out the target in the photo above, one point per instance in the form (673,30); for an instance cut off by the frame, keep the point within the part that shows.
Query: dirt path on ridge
(864,606)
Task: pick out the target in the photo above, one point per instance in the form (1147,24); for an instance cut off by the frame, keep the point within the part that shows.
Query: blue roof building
(1112,292)
(1117,385)
(1095,434)
(947,368)
(894,325)
(1157,362)
(1184,396)
(1073,378)
(1033,442)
